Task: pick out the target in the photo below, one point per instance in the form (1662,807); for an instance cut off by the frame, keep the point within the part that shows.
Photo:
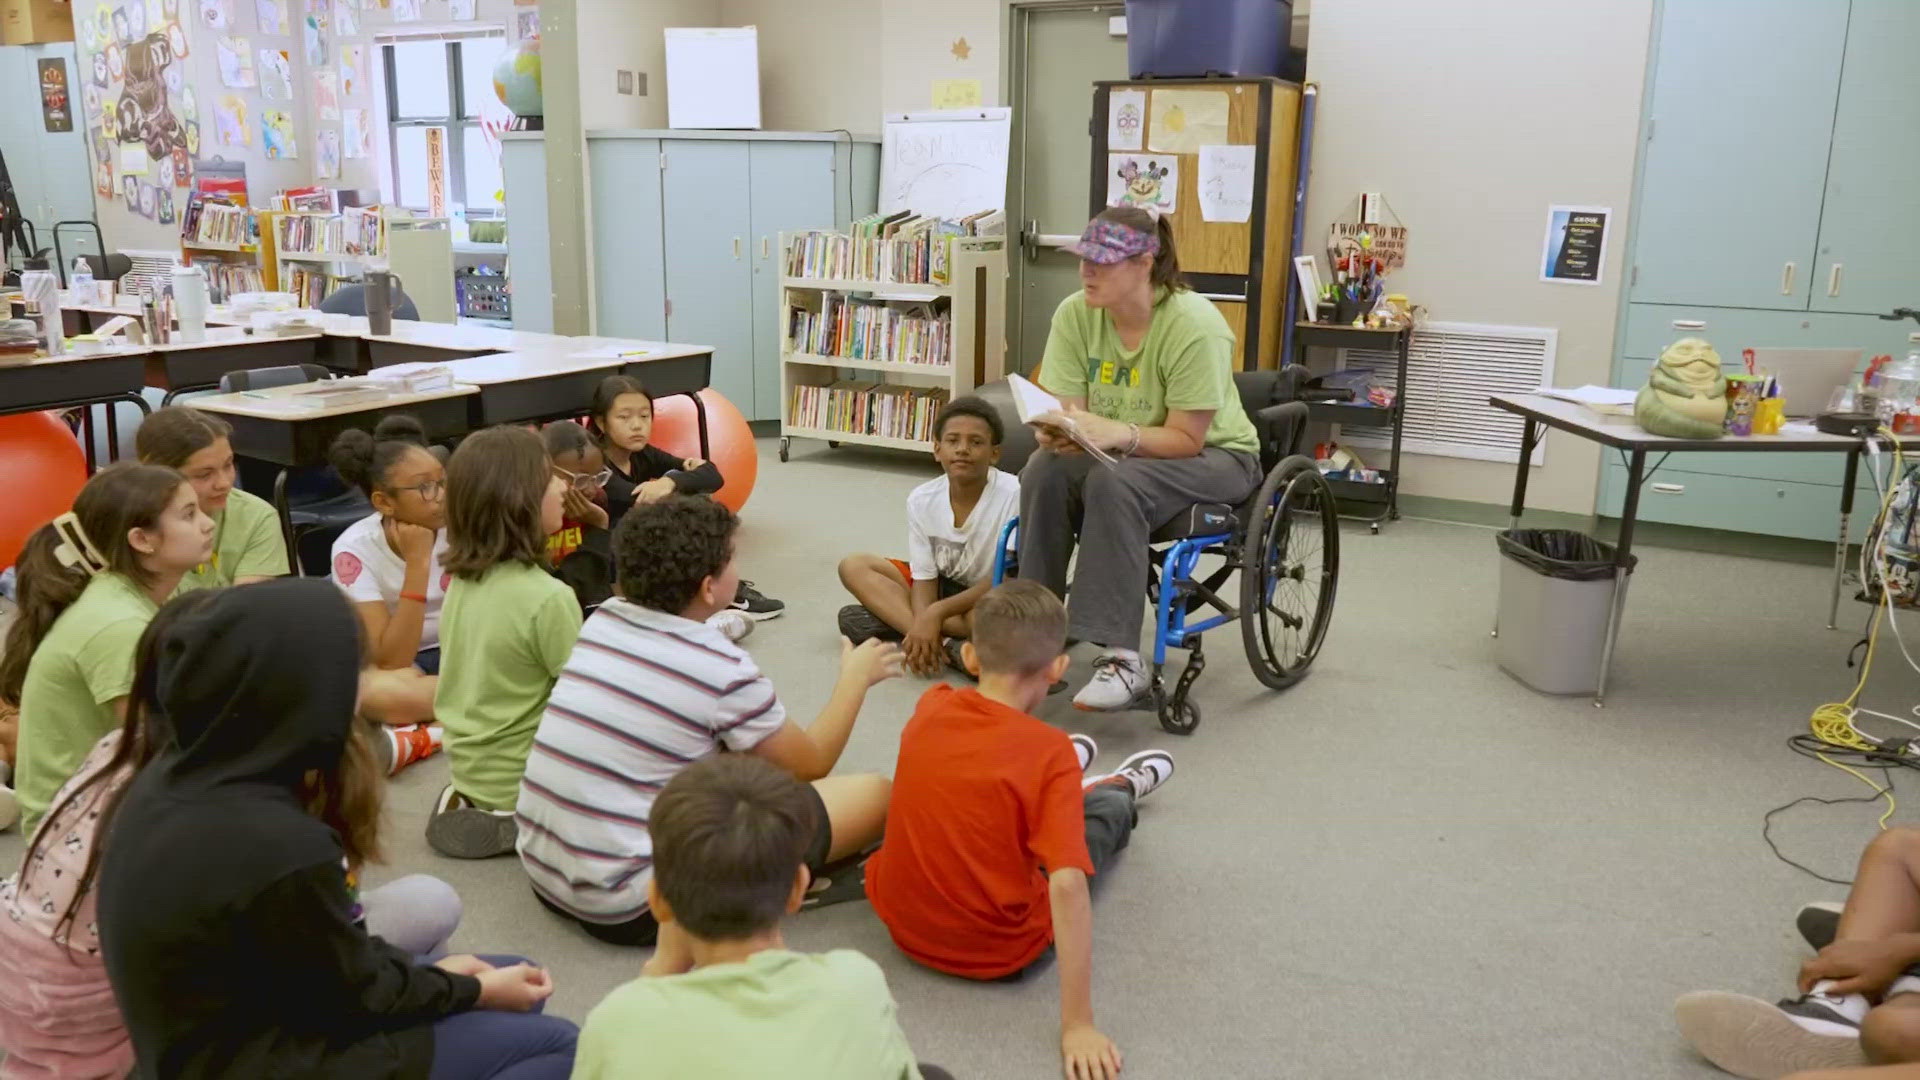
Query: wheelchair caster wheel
(785,443)
(1374,528)
(833,444)
(1180,717)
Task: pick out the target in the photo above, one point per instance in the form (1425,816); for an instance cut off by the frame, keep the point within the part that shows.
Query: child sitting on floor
(953,529)
(506,629)
(723,996)
(247,543)
(992,833)
(389,562)
(654,685)
(640,473)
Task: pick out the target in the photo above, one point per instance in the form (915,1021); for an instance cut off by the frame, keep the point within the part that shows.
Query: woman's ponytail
(47,587)
(1166,261)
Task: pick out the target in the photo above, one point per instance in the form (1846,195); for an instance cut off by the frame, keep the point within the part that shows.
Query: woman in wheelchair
(1143,368)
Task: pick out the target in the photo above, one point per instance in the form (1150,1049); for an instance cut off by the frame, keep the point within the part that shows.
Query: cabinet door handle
(736,248)
(1668,489)
(1786,280)
(1833,280)
(766,247)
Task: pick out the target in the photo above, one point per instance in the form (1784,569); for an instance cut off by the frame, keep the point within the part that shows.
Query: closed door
(793,187)
(629,269)
(706,228)
(1742,117)
(1870,224)
(51,170)
(1058,56)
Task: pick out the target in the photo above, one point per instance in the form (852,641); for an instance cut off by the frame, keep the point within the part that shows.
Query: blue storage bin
(1189,38)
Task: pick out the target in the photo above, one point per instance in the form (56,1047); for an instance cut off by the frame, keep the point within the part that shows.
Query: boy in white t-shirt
(953,527)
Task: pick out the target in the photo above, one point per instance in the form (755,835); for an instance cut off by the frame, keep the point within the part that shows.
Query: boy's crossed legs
(884,588)
(1835,1023)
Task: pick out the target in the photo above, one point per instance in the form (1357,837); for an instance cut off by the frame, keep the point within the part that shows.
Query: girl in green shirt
(507,627)
(248,545)
(1143,368)
(89,583)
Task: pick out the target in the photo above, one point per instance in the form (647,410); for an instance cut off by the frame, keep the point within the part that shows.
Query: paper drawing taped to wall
(144,113)
(230,122)
(216,14)
(276,75)
(1148,181)
(276,134)
(326,94)
(236,63)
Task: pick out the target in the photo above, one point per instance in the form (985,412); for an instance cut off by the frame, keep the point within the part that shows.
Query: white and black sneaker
(1142,773)
(1748,1037)
(1819,923)
(755,605)
(461,830)
(1085,749)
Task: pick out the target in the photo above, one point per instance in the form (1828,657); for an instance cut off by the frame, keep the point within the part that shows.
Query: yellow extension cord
(1832,723)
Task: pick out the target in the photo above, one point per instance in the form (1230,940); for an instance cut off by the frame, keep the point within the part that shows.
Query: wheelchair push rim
(1289,569)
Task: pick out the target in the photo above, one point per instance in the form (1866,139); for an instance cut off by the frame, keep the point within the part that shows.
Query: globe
(516,78)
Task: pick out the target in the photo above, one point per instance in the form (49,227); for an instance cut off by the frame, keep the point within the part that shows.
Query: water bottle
(80,283)
(1900,385)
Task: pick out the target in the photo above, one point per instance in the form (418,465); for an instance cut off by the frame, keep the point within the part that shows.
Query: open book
(1041,409)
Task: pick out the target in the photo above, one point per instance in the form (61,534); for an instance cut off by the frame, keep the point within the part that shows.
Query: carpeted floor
(1407,866)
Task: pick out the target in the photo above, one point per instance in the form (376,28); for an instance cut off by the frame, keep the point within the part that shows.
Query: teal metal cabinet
(52,171)
(1740,114)
(706,226)
(523,171)
(1869,259)
(792,190)
(629,265)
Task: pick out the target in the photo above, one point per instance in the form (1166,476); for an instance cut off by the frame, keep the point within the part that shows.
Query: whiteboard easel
(947,163)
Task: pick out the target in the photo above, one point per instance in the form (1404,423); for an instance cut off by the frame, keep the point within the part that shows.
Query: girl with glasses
(388,562)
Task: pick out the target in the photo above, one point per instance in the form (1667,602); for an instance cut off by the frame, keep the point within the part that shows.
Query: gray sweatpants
(1111,510)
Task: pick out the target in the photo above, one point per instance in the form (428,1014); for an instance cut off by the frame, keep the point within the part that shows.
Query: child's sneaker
(399,747)
(1085,749)
(1819,923)
(732,625)
(755,605)
(859,625)
(461,830)
(1748,1037)
(1142,773)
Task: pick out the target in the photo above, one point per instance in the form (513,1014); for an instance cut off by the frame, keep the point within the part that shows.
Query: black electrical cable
(1808,746)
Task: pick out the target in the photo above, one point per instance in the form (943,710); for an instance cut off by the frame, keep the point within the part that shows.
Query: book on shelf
(354,232)
(856,407)
(224,279)
(900,248)
(908,333)
(309,286)
(308,200)
(213,219)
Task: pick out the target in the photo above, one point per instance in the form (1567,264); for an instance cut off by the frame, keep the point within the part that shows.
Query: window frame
(456,123)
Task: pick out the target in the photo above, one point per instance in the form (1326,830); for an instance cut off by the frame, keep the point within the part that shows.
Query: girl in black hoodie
(225,921)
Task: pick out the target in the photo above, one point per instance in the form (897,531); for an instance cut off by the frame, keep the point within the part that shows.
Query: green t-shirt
(246,544)
(503,640)
(66,704)
(778,1013)
(1186,362)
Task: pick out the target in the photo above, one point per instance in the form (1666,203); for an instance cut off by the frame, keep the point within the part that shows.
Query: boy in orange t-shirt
(991,829)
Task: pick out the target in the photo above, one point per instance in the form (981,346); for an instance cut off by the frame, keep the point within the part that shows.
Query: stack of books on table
(869,408)
(337,392)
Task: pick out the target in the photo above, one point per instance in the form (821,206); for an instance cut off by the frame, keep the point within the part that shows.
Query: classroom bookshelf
(232,243)
(877,336)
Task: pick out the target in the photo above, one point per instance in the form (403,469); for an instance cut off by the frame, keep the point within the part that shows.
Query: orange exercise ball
(730,443)
(41,469)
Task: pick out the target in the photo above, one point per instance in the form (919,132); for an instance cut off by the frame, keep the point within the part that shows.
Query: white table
(1634,444)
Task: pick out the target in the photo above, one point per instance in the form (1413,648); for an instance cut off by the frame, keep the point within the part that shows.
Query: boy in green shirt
(723,997)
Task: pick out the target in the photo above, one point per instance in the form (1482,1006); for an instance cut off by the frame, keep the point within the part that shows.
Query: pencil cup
(1769,415)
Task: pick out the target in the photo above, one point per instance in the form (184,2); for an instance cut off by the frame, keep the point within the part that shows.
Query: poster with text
(276,75)
(1149,181)
(326,93)
(1576,246)
(276,135)
(56,102)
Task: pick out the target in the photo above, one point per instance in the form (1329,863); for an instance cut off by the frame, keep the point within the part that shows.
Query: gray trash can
(1556,586)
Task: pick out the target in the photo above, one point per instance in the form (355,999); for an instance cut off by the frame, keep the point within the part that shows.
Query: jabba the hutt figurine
(1686,393)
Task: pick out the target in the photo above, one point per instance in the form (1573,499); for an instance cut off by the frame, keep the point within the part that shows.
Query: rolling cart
(1351,495)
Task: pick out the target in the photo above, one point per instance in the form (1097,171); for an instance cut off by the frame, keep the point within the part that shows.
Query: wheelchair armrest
(1281,429)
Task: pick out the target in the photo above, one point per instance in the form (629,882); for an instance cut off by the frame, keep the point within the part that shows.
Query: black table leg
(1622,562)
(1529,437)
(285,513)
(86,438)
(1840,544)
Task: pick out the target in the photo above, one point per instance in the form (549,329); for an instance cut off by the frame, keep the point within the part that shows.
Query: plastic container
(1556,588)
(80,282)
(1190,38)
(1899,387)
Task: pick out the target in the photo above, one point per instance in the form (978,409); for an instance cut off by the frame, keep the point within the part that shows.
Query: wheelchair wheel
(1289,565)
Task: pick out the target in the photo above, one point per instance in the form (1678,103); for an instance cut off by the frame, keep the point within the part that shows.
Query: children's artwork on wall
(177,38)
(526,23)
(346,21)
(189,110)
(103,179)
(116,63)
(462,10)
(406,10)
(163,171)
(276,135)
(353,66)
(230,126)
(130,190)
(145,113)
(326,147)
(163,205)
(216,14)
(321,10)
(358,136)
(182,167)
(326,93)
(102,146)
(90,100)
(273,17)
(175,79)
(193,137)
(149,200)
(121,35)
(276,75)
(100,69)
(109,120)
(1149,181)
(157,16)
(315,37)
(236,63)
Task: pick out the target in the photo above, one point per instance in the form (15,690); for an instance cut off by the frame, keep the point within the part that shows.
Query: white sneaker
(734,625)
(1751,1038)
(10,806)
(461,830)
(1118,679)
(1085,749)
(1142,773)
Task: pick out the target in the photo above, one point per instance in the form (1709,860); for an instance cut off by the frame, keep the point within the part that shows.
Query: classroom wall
(620,35)
(1472,119)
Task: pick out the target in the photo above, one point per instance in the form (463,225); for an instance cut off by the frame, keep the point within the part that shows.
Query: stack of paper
(1605,400)
(413,378)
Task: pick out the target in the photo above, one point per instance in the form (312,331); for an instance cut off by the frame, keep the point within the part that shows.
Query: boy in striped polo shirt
(650,688)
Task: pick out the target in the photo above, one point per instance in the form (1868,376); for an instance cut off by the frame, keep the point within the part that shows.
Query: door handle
(1668,489)
(1028,245)
(1786,280)
(736,248)
(766,247)
(1833,280)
